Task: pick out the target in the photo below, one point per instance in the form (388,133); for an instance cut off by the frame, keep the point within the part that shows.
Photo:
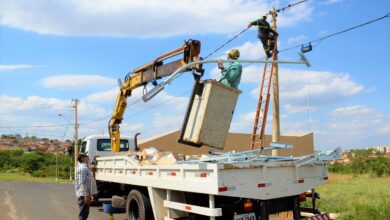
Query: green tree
(33,162)
(9,159)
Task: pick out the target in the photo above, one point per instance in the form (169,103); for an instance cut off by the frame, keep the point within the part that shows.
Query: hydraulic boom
(150,72)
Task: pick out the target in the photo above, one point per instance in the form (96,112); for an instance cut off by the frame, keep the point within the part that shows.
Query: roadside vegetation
(363,162)
(359,189)
(356,197)
(22,164)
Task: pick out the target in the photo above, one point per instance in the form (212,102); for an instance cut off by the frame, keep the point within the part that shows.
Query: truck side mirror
(135,141)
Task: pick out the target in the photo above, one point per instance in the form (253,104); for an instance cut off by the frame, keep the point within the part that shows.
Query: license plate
(249,216)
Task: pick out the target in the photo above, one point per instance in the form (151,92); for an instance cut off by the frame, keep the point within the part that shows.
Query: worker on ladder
(231,75)
(266,35)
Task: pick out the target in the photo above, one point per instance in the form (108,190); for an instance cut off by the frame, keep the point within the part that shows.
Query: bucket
(107,207)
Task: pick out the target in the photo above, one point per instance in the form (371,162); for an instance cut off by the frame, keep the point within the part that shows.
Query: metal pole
(76,145)
(212,204)
(70,168)
(169,199)
(155,90)
(62,140)
(275,96)
(56,148)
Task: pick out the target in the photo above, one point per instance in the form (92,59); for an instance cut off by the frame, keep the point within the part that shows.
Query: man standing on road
(85,186)
(231,76)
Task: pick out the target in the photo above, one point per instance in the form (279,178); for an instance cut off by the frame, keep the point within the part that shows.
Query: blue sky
(53,51)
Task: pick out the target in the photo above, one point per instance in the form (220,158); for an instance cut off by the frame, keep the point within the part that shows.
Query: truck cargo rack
(242,174)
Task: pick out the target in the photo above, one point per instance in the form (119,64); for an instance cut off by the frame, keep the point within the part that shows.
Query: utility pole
(76,141)
(275,89)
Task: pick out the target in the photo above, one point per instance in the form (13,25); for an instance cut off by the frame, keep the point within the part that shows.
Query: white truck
(100,146)
(225,186)
(236,186)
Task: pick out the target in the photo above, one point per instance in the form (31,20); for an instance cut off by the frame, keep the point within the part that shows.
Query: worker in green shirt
(265,34)
(231,75)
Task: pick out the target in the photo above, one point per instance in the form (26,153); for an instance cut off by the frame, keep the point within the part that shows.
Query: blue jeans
(84,209)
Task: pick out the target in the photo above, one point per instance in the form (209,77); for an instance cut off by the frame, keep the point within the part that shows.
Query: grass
(361,197)
(25,177)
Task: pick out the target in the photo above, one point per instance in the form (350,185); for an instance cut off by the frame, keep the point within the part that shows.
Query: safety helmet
(234,53)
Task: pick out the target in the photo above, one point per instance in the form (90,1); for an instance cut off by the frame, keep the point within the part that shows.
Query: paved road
(42,201)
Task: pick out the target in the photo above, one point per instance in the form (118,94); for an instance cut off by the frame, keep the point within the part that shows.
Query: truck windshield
(83,147)
(105,145)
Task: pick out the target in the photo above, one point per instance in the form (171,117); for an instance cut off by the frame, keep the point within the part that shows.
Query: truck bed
(255,179)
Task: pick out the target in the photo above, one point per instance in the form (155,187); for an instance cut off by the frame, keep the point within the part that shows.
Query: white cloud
(356,110)
(164,123)
(321,87)
(251,50)
(142,18)
(251,74)
(94,113)
(108,96)
(15,67)
(162,101)
(39,107)
(355,127)
(243,122)
(290,109)
(385,129)
(323,33)
(131,129)
(296,39)
(330,2)
(10,103)
(77,81)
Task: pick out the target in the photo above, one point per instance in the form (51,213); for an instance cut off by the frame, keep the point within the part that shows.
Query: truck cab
(100,145)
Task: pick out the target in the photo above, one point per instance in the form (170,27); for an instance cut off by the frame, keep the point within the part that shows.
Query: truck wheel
(138,206)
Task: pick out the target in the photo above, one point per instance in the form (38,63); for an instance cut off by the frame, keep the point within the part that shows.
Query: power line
(330,35)
(281,9)
(34,126)
(288,6)
(96,120)
(108,116)
(241,32)
(210,54)
(226,43)
(160,103)
(340,32)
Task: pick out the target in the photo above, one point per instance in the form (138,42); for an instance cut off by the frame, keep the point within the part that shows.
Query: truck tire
(138,206)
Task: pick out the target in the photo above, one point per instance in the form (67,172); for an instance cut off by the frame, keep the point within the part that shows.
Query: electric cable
(330,35)
(338,33)
(241,32)
(160,103)
(210,54)
(287,49)
(34,126)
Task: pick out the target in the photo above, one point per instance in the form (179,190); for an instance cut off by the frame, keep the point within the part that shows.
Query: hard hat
(234,53)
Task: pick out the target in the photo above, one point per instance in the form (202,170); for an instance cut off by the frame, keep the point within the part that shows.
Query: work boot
(268,53)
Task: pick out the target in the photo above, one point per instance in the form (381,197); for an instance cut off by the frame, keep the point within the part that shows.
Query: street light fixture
(61,115)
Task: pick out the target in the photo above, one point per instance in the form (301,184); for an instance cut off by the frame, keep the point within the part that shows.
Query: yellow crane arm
(143,75)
